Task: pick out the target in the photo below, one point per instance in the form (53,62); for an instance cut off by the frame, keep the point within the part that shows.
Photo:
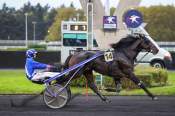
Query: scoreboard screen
(74,34)
(78,27)
(76,39)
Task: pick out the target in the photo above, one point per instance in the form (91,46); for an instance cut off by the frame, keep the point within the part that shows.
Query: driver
(33,68)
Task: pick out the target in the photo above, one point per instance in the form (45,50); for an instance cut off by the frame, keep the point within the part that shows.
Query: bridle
(144,39)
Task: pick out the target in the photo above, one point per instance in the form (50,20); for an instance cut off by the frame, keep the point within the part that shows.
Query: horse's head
(148,44)
(136,41)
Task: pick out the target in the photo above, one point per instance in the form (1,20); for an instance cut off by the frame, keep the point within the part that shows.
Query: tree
(160,21)
(72,5)
(63,14)
(112,10)
(8,22)
(12,23)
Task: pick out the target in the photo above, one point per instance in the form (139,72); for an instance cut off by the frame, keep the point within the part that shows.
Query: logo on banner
(110,22)
(133,18)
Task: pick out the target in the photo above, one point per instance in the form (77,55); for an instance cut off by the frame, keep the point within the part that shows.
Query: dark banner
(16,59)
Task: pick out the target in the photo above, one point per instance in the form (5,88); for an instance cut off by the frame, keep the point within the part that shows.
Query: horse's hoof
(117,93)
(154,98)
(118,88)
(107,101)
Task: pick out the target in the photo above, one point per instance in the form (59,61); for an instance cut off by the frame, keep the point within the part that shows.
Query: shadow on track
(25,101)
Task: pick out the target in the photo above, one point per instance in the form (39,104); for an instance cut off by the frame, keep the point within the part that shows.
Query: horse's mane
(124,42)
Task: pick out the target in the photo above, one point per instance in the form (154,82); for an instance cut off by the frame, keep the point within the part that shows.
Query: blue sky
(56,3)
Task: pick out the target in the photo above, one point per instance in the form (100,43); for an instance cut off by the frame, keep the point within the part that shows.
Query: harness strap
(142,58)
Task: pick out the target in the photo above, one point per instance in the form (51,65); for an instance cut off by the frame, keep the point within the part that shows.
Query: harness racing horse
(124,54)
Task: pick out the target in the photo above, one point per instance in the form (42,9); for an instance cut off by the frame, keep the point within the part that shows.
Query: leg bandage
(140,84)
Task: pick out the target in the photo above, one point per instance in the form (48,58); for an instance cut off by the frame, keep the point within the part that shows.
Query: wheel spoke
(63,97)
(48,94)
(51,101)
(59,91)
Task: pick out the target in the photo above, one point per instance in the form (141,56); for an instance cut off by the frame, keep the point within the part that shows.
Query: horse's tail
(66,63)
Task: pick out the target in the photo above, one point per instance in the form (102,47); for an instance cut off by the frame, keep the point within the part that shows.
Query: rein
(142,58)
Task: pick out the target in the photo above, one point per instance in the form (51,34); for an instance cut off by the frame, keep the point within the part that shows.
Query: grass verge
(15,82)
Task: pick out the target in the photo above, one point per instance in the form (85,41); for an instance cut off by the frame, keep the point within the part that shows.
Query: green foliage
(15,82)
(112,10)
(128,84)
(31,46)
(145,78)
(159,76)
(160,21)
(80,82)
(55,29)
(16,49)
(150,77)
(63,14)
(12,21)
(37,47)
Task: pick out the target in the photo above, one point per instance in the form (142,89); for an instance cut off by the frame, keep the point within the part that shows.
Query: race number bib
(108,56)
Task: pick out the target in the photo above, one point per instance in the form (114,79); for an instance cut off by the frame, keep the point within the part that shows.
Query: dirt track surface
(90,106)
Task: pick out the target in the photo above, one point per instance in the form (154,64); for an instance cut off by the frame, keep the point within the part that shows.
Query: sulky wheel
(69,93)
(55,97)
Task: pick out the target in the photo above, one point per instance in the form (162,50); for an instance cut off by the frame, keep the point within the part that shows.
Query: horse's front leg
(118,85)
(90,80)
(132,77)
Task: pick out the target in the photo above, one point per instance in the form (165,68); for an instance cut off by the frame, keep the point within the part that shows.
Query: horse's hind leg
(90,80)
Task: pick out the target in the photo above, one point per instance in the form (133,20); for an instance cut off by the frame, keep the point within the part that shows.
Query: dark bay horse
(124,54)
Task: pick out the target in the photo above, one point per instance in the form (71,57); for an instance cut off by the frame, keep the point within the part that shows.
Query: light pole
(78,16)
(34,28)
(107,8)
(90,25)
(26,14)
